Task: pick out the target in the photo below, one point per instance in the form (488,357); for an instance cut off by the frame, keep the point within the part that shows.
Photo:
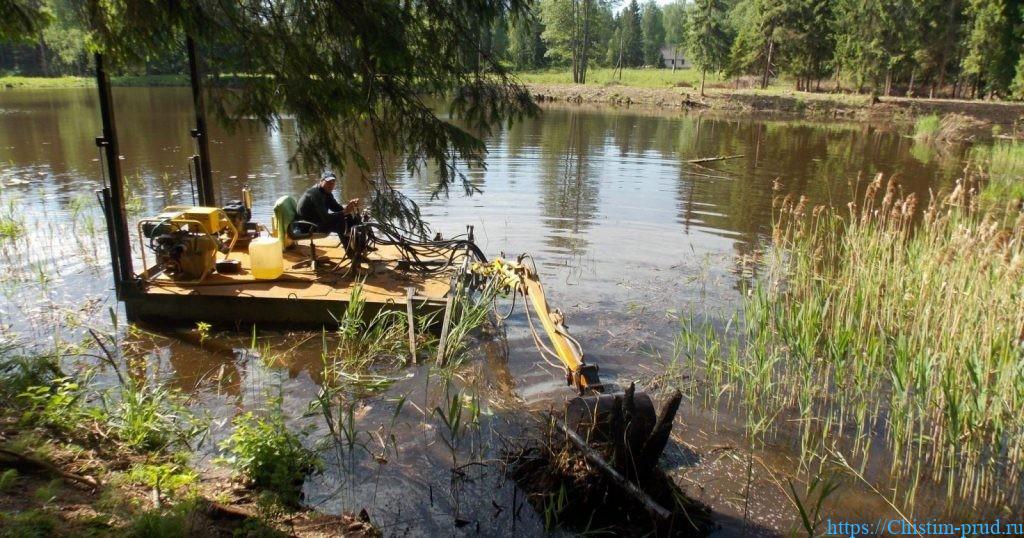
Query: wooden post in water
(204,177)
(410,295)
(121,254)
(441,361)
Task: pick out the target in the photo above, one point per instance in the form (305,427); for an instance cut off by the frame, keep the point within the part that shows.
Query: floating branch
(712,159)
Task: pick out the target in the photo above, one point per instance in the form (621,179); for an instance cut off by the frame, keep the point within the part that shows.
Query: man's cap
(328,176)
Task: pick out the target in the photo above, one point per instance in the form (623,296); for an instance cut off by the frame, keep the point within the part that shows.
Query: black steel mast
(204,175)
(121,254)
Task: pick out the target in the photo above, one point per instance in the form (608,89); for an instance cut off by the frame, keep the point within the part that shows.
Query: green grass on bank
(644,78)
(43,82)
(11,82)
(689,80)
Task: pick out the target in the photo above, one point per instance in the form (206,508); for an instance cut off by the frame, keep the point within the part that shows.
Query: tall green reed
(891,319)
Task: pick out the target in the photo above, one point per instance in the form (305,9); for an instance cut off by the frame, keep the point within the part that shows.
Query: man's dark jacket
(316,204)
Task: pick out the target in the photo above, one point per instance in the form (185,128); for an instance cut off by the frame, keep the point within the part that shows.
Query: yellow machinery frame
(180,222)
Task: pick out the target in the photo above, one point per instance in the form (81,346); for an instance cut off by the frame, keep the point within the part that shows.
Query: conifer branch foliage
(22,19)
(341,69)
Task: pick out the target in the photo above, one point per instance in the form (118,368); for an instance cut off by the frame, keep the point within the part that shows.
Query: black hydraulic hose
(413,251)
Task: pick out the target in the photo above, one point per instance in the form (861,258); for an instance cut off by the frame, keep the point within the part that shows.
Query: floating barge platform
(299,297)
(386,278)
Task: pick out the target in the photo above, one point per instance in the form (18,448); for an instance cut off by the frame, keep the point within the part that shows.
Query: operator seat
(294,229)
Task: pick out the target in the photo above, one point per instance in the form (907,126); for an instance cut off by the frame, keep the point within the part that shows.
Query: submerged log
(712,159)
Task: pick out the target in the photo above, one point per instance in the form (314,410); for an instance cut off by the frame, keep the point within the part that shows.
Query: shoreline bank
(851,107)
(775,100)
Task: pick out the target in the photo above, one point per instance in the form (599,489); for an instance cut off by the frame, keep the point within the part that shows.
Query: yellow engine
(186,239)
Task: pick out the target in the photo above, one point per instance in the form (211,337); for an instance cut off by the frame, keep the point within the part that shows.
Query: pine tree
(1017,87)
(759,29)
(526,47)
(803,40)
(632,36)
(937,24)
(499,40)
(341,70)
(707,37)
(614,48)
(859,53)
(992,46)
(653,27)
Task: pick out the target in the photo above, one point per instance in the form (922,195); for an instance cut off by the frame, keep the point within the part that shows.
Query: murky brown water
(628,236)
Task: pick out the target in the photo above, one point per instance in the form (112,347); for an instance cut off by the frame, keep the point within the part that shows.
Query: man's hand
(352,207)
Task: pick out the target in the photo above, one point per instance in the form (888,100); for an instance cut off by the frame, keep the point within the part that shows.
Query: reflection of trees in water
(726,197)
(821,161)
(818,160)
(569,192)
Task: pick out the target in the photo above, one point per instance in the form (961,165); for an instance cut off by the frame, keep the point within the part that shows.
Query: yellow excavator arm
(517,276)
(626,419)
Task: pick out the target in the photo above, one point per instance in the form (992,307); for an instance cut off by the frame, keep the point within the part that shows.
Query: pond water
(629,237)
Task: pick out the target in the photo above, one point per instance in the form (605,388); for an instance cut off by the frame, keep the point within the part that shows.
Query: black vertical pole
(204,178)
(103,195)
(116,213)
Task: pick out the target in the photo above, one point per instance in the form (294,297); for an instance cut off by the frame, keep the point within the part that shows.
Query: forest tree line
(926,48)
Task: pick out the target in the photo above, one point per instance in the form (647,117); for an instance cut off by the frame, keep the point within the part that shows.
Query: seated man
(317,205)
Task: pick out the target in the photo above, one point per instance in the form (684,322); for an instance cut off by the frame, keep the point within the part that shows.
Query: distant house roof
(669,52)
(673,57)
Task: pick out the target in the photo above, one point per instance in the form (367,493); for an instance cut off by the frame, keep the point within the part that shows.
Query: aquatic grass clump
(10,228)
(877,322)
(926,127)
(948,128)
(471,311)
(151,418)
(1003,162)
(12,225)
(362,342)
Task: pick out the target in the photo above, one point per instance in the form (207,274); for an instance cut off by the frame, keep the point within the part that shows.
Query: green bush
(58,405)
(19,372)
(165,476)
(7,480)
(150,418)
(269,456)
(29,524)
(163,523)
